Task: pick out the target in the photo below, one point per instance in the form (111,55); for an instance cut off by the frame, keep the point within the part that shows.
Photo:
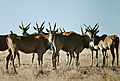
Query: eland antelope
(4,47)
(71,54)
(110,43)
(24,32)
(28,44)
(106,43)
(94,47)
(71,43)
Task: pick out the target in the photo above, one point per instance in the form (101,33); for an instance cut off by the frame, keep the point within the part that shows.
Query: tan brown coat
(28,44)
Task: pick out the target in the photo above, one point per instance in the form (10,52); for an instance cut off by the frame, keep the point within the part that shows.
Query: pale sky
(68,14)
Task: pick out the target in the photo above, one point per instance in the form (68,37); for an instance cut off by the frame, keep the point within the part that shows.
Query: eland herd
(70,42)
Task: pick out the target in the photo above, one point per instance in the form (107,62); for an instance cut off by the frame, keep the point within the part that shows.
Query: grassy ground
(28,71)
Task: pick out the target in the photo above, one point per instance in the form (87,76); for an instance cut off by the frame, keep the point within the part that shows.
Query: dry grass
(28,71)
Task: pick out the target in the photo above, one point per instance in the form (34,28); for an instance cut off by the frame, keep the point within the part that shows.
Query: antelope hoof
(67,63)
(117,66)
(106,65)
(19,65)
(54,68)
(7,71)
(57,64)
(15,72)
(91,65)
(40,72)
(113,66)
(76,67)
(97,65)
(76,64)
(103,66)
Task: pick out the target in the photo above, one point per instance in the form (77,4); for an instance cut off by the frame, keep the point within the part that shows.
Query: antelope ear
(34,28)
(47,30)
(20,27)
(11,32)
(86,27)
(42,28)
(86,30)
(56,30)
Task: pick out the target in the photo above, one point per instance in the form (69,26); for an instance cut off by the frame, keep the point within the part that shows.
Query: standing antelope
(94,47)
(110,43)
(71,54)
(71,43)
(24,32)
(106,43)
(28,44)
(4,46)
